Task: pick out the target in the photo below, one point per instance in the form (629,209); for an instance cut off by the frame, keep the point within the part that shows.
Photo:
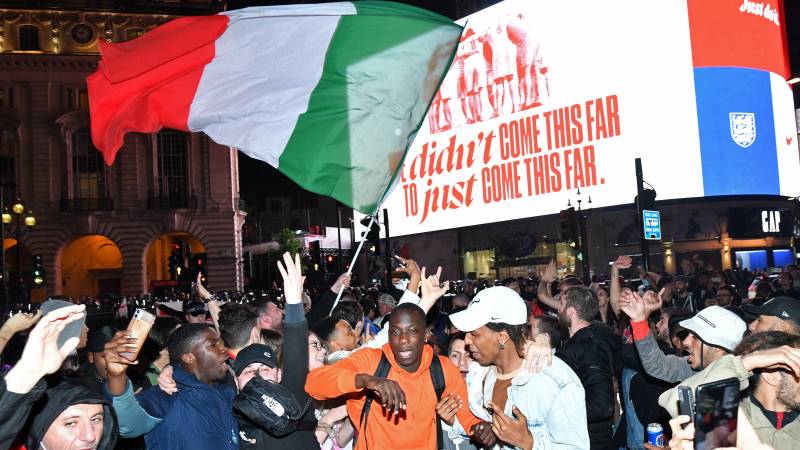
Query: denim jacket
(552,400)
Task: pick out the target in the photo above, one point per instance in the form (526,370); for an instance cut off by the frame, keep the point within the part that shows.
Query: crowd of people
(533,363)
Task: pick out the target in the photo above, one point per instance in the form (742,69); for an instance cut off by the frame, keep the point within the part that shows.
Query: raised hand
(342,282)
(201,290)
(512,430)
(550,273)
(293,279)
(41,355)
(448,407)
(623,262)
(652,302)
(409,266)
(432,289)
(19,322)
(633,306)
(117,363)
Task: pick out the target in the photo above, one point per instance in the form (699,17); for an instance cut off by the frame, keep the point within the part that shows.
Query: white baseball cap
(717,326)
(497,304)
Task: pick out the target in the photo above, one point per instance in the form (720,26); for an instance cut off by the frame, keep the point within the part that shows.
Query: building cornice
(69,63)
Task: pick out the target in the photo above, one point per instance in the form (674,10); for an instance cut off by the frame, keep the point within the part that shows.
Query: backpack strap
(437,377)
(380,372)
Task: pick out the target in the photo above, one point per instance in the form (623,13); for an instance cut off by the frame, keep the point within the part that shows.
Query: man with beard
(589,352)
(713,333)
(527,410)
(405,416)
(682,297)
(776,314)
(768,364)
(200,414)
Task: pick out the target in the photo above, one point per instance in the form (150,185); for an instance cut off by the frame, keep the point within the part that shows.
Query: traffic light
(37,270)
(315,253)
(373,236)
(569,228)
(177,269)
(197,265)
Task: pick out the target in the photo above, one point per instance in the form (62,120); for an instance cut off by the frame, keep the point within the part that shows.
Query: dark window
(88,171)
(8,151)
(29,38)
(172,152)
(6,97)
(77,98)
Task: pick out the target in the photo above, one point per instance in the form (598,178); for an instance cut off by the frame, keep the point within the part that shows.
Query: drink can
(655,434)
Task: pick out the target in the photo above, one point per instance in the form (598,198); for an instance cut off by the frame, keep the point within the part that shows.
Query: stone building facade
(162,188)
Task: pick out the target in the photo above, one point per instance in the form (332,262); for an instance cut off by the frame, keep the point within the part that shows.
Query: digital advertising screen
(544,98)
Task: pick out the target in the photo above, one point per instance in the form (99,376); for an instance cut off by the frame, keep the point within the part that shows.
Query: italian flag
(330,94)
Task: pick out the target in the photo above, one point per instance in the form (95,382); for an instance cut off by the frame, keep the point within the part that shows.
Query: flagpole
(352,262)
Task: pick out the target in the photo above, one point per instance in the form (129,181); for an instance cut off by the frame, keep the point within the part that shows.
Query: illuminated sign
(545,98)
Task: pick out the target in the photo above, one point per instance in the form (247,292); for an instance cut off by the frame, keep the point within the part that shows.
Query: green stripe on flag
(381,71)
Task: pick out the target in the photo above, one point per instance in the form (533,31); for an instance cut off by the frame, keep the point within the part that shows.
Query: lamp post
(12,225)
(582,216)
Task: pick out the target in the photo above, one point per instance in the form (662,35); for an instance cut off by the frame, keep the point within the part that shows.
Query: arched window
(29,38)
(88,172)
(172,170)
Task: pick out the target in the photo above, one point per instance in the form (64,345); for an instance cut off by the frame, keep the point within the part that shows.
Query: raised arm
(16,323)
(412,269)
(544,286)
(622,262)
(213,306)
(295,339)
(133,420)
(432,290)
(670,368)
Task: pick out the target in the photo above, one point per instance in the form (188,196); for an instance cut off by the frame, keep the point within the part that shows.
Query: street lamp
(583,215)
(11,225)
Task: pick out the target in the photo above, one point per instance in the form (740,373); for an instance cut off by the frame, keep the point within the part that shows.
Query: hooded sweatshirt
(70,391)
(415,429)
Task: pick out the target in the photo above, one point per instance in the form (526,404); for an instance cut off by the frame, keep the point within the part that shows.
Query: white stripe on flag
(252,92)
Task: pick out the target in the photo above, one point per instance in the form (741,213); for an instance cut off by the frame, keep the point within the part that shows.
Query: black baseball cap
(194,308)
(254,353)
(785,308)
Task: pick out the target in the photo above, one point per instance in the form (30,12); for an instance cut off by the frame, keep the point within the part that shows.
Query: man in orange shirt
(407,418)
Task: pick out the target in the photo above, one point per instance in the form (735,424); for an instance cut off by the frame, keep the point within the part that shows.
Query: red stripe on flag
(149,83)
(739,33)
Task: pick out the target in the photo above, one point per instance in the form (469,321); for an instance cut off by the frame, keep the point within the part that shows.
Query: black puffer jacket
(295,370)
(591,354)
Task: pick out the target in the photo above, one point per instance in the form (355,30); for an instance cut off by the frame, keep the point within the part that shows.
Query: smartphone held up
(139,327)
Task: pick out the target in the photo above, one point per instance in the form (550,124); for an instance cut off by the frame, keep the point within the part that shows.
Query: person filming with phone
(767,367)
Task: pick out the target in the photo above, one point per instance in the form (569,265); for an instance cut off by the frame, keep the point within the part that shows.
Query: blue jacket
(197,417)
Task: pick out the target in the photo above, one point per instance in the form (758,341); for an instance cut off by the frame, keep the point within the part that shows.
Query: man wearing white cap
(713,333)
(527,410)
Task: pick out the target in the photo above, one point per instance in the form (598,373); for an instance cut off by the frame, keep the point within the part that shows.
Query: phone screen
(715,415)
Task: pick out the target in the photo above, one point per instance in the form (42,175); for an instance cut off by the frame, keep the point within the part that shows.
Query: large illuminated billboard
(545,98)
